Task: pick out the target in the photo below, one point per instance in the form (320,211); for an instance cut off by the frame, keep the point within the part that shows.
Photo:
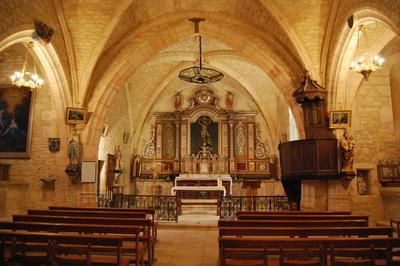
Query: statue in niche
(229,100)
(347,150)
(205,135)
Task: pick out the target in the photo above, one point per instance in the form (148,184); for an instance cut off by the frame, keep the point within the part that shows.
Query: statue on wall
(74,149)
(178,101)
(229,100)
(347,150)
(118,158)
(136,165)
(74,156)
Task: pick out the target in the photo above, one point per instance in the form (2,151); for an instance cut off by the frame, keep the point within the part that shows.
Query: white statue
(74,149)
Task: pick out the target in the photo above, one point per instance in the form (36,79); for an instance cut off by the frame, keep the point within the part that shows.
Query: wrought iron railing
(166,207)
(228,206)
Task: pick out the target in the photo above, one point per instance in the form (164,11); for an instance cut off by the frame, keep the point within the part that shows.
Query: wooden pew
(294,223)
(381,246)
(146,224)
(17,247)
(148,211)
(140,215)
(295,212)
(305,231)
(395,224)
(301,217)
(128,233)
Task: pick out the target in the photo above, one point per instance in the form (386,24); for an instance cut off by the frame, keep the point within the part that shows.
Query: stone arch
(339,72)
(48,58)
(283,75)
(394,80)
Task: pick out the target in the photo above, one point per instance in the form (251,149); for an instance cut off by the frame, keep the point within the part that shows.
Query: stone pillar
(325,195)
(314,195)
(88,194)
(339,196)
(13,195)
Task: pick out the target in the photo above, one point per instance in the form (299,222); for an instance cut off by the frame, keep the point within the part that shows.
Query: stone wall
(117,124)
(25,189)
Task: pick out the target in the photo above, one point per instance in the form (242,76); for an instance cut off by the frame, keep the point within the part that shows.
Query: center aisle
(191,242)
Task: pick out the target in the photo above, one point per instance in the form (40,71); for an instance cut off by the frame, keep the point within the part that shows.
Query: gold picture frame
(75,115)
(340,119)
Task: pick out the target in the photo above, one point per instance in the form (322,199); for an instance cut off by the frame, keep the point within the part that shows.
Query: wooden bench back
(305,231)
(82,220)
(294,223)
(276,243)
(141,215)
(295,212)
(82,243)
(132,231)
(145,210)
(300,217)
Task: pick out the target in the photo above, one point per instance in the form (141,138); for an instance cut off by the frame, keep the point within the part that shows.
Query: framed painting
(76,115)
(340,119)
(16,112)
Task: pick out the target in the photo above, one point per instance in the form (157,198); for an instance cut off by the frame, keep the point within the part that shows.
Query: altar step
(199,206)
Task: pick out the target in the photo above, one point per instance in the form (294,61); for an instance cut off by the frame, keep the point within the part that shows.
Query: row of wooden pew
(305,238)
(79,236)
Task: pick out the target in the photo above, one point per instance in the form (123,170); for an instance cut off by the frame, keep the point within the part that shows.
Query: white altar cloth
(198,188)
(222,177)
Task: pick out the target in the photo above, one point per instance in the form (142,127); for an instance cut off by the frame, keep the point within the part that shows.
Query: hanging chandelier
(200,74)
(27,78)
(365,63)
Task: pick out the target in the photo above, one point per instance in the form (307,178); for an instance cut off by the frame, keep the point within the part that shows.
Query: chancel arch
(228,35)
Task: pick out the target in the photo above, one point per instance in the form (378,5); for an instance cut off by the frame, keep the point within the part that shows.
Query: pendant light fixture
(198,73)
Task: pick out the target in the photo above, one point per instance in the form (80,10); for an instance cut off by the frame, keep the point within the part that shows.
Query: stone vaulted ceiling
(137,47)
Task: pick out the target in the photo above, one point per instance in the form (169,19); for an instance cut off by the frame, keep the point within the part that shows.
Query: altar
(202,186)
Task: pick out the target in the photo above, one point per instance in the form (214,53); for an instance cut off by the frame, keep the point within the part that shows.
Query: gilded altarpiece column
(177,145)
(231,148)
(225,142)
(250,128)
(159,141)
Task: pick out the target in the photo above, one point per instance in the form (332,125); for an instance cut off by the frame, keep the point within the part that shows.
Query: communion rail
(227,206)
(166,207)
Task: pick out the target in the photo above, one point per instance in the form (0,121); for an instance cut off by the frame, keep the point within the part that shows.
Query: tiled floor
(191,242)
